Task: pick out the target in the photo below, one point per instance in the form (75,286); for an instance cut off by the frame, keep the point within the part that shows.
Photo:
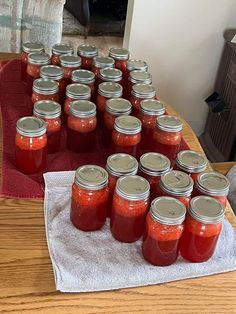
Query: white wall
(182,42)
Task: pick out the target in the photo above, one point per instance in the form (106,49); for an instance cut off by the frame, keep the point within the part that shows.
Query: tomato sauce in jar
(89,198)
(121,56)
(81,126)
(202,229)
(140,92)
(163,230)
(137,77)
(69,64)
(44,89)
(129,208)
(31,145)
(60,50)
(85,77)
(87,53)
(110,75)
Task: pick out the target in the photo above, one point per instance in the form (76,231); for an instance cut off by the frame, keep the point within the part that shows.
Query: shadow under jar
(84,77)
(87,53)
(69,64)
(44,89)
(81,126)
(31,145)
(163,230)
(60,50)
(50,112)
(140,92)
(89,198)
(129,208)
(137,77)
(121,56)
(202,229)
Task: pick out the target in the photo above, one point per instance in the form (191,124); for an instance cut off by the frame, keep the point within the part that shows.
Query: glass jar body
(221,198)
(101,105)
(193,175)
(55,59)
(53,134)
(111,185)
(86,63)
(37,96)
(135,102)
(121,65)
(24,62)
(125,143)
(67,102)
(33,72)
(67,71)
(108,123)
(153,181)
(184,198)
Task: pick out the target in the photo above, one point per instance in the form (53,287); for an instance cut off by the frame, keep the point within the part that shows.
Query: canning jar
(163,229)
(129,208)
(60,50)
(126,135)
(167,136)
(121,56)
(110,75)
(31,145)
(89,198)
(149,110)
(101,63)
(213,184)
(119,165)
(202,229)
(87,53)
(44,89)
(140,92)
(81,126)
(137,77)
(50,112)
(69,64)
(178,185)
(84,77)
(28,48)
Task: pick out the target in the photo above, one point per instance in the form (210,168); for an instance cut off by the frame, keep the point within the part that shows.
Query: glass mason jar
(89,198)
(110,75)
(178,185)
(31,145)
(213,184)
(163,230)
(81,126)
(28,48)
(60,50)
(119,165)
(44,89)
(202,229)
(149,110)
(115,107)
(137,77)
(100,62)
(126,135)
(121,56)
(129,208)
(191,162)
(140,92)
(167,136)
(69,64)
(84,77)
(50,112)
(151,167)
(87,53)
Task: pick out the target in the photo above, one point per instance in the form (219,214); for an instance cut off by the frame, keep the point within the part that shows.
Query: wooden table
(27,283)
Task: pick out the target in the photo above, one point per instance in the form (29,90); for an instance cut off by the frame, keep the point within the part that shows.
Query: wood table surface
(27,283)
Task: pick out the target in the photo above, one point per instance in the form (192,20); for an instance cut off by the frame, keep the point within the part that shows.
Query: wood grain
(223,167)
(27,283)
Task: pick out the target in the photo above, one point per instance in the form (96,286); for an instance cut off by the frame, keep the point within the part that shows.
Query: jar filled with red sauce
(129,208)
(50,112)
(110,75)
(140,92)
(119,165)
(202,229)
(163,229)
(213,184)
(44,89)
(31,145)
(121,56)
(89,198)
(60,50)
(28,48)
(69,63)
(100,62)
(151,167)
(87,53)
(85,77)
(176,184)
(137,77)
(81,126)
(149,110)
(167,136)
(191,162)
(115,107)
(126,135)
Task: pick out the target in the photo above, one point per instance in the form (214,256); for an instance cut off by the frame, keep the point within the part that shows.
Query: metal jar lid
(78,91)
(133,188)
(191,161)
(31,126)
(176,183)
(83,76)
(213,183)
(118,106)
(82,109)
(152,107)
(62,49)
(206,209)
(142,77)
(127,125)
(110,75)
(32,47)
(41,58)
(52,72)
(47,109)
(88,51)
(70,61)
(154,164)
(122,164)
(91,177)
(103,62)
(110,90)
(168,210)
(143,91)
(135,64)
(119,53)
(169,123)
(45,87)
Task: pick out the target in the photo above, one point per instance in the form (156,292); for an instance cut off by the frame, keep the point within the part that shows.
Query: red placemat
(15,103)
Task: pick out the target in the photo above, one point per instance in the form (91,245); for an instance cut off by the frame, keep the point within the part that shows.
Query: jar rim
(154,164)
(47,109)
(118,106)
(176,183)
(169,123)
(62,48)
(119,53)
(91,177)
(133,187)
(87,50)
(137,64)
(31,126)
(121,164)
(152,107)
(52,72)
(128,125)
(191,161)
(213,183)
(110,89)
(45,86)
